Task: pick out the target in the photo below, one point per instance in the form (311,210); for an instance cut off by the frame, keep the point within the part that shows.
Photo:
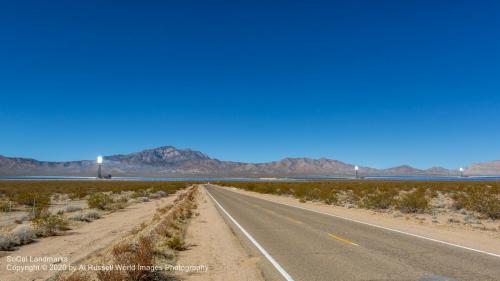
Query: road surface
(309,246)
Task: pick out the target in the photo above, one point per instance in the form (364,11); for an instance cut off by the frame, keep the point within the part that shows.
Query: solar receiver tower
(99,162)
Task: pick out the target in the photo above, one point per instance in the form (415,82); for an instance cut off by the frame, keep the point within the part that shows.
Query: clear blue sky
(377,83)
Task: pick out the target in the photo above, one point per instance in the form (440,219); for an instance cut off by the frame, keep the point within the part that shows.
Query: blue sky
(377,83)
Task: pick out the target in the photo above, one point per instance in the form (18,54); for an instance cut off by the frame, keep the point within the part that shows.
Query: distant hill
(487,168)
(168,161)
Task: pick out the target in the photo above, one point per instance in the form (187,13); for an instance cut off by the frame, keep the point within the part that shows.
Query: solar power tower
(99,162)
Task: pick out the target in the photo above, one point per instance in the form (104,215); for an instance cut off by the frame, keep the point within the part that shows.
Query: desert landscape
(250,140)
(112,230)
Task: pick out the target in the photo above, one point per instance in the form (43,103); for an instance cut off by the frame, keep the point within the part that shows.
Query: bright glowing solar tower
(356,168)
(99,162)
(461,172)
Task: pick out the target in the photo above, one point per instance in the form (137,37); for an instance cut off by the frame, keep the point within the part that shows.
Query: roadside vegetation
(150,245)
(33,209)
(25,192)
(482,198)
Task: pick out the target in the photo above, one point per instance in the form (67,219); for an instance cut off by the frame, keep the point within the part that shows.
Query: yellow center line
(299,222)
(269,211)
(342,239)
(276,214)
(294,220)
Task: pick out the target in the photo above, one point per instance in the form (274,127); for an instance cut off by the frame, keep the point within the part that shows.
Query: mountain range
(168,161)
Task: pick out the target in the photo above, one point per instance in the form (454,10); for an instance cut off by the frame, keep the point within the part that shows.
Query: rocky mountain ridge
(168,161)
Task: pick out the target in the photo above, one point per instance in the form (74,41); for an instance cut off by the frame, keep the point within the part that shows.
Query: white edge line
(387,228)
(261,249)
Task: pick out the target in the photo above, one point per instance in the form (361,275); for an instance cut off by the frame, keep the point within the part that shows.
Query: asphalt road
(311,246)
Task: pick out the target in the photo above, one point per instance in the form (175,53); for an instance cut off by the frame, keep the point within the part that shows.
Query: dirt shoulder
(214,245)
(77,244)
(416,224)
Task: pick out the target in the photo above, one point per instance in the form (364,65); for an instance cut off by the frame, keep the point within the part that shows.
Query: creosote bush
(176,243)
(414,202)
(329,196)
(135,253)
(379,199)
(48,224)
(99,201)
(485,201)
(32,198)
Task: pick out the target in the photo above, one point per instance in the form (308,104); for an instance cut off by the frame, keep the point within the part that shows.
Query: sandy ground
(478,239)
(214,245)
(76,244)
(8,219)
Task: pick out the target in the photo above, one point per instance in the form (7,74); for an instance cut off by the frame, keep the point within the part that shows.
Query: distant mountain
(404,170)
(168,161)
(486,169)
(160,156)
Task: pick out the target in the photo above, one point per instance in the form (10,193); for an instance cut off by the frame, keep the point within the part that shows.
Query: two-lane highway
(311,246)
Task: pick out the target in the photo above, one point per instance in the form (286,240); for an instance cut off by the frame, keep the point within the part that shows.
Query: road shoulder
(214,245)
